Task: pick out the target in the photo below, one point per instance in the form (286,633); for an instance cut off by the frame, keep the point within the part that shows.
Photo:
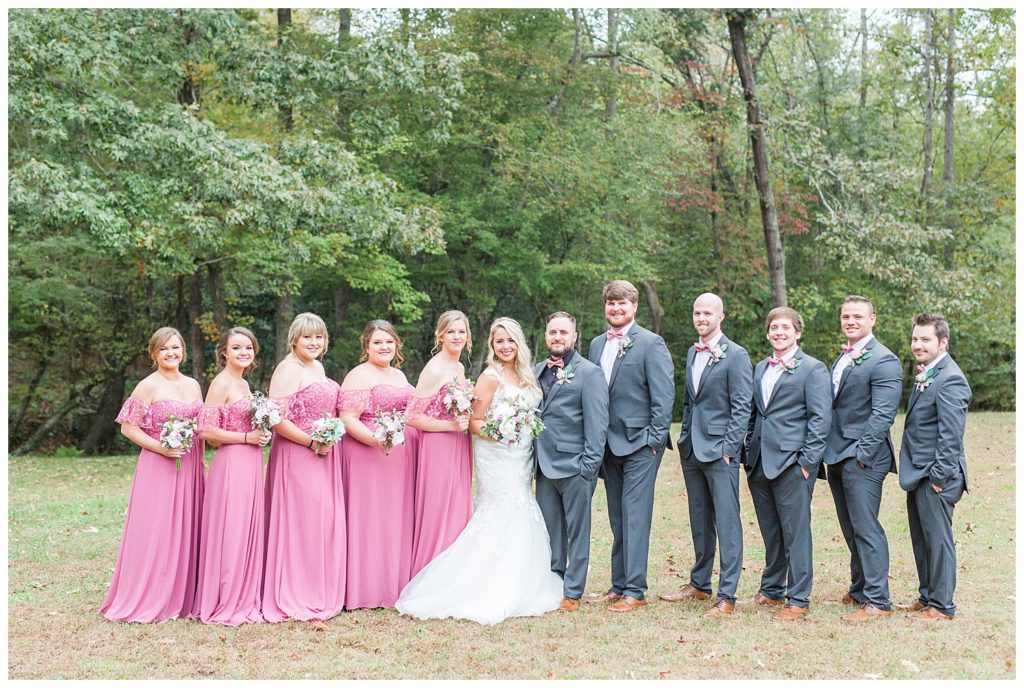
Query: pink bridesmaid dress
(444,473)
(231,538)
(304,578)
(379,493)
(157,563)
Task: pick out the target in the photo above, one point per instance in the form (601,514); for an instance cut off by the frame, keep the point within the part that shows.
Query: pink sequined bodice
(311,403)
(150,417)
(235,417)
(368,402)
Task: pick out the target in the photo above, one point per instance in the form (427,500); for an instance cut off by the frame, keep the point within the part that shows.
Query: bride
(499,566)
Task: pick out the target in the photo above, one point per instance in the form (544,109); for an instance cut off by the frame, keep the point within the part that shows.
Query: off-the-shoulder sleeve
(353,401)
(134,412)
(417,408)
(210,418)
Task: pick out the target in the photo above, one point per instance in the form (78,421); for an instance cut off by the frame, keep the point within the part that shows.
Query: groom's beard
(560,353)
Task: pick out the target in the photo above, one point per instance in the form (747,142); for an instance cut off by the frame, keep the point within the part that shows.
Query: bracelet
(245,439)
(310,445)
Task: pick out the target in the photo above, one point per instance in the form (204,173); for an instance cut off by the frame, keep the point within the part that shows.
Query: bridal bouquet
(178,433)
(390,428)
(265,412)
(510,422)
(327,429)
(458,400)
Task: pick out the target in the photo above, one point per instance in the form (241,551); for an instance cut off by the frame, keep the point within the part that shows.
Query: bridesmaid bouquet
(512,423)
(458,400)
(327,429)
(266,413)
(178,433)
(390,428)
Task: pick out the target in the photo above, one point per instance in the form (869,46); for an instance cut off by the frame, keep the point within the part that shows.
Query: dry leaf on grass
(910,665)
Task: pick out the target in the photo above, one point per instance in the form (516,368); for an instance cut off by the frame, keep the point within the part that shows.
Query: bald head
(708,314)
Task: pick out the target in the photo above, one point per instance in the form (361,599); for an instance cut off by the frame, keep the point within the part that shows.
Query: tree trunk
(947,137)
(716,241)
(41,367)
(613,65)
(759,150)
(863,104)
(574,62)
(44,430)
(283,314)
(217,296)
(344,39)
(342,297)
(926,177)
(190,91)
(101,434)
(179,307)
(284,107)
(195,344)
(657,310)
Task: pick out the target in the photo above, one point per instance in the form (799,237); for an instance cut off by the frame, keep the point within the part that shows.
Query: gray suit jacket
(933,432)
(715,418)
(575,415)
(865,407)
(793,426)
(640,393)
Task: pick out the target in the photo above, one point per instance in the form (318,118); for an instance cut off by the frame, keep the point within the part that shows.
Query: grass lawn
(64,524)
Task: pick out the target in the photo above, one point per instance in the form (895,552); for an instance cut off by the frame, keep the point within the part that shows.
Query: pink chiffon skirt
(444,475)
(304,578)
(156,571)
(379,493)
(231,539)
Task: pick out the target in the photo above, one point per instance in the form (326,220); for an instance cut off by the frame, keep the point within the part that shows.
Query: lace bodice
(235,417)
(150,417)
(513,393)
(379,398)
(430,407)
(311,403)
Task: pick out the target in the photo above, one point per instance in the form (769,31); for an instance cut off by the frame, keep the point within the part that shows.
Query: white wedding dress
(500,565)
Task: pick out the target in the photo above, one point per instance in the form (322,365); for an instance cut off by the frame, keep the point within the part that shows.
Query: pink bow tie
(701,346)
(775,360)
(848,348)
(552,362)
(612,334)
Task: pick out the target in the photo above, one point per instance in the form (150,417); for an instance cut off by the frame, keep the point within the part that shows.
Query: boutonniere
(717,353)
(625,344)
(789,366)
(864,355)
(924,378)
(564,376)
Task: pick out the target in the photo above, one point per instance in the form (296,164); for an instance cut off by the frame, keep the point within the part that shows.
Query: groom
(569,452)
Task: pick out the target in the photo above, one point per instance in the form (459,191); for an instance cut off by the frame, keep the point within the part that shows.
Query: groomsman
(569,452)
(866,389)
(638,369)
(933,469)
(716,411)
(785,446)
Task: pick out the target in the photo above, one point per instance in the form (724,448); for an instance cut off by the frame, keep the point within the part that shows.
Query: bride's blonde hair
(523,364)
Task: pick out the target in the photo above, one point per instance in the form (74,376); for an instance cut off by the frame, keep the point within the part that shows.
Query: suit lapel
(691,356)
(758,377)
(849,368)
(618,359)
(782,378)
(708,367)
(555,387)
(916,392)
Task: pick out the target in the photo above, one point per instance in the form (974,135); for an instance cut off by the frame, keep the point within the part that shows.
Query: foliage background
(209,168)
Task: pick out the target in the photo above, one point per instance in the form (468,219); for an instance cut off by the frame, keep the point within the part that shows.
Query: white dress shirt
(935,362)
(611,352)
(846,360)
(772,375)
(700,360)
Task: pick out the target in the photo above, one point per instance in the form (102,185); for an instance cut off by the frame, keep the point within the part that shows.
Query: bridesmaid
(443,459)
(231,537)
(155,575)
(304,577)
(379,486)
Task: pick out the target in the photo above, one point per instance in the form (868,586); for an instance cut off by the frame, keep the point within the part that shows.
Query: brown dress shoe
(930,614)
(789,613)
(917,606)
(761,598)
(847,599)
(720,608)
(569,605)
(687,593)
(606,598)
(867,612)
(626,604)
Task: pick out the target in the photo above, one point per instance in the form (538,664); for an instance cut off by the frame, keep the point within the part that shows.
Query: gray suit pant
(931,534)
(565,503)
(783,507)
(712,493)
(857,493)
(629,483)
